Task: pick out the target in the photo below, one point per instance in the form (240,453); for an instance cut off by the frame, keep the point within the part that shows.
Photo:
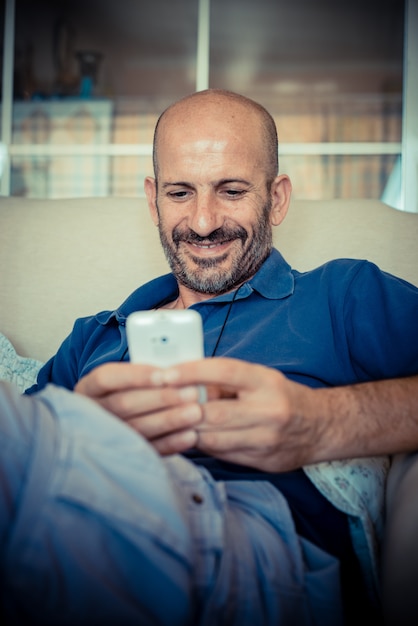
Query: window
(330,72)
(90,79)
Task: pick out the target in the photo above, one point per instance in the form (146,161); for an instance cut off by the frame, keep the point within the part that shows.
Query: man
(313,366)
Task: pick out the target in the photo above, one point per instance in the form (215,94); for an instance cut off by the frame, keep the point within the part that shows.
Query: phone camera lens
(164,339)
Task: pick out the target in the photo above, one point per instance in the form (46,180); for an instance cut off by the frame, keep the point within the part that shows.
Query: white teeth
(209,245)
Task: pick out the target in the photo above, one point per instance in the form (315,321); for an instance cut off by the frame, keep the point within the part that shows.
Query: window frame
(407,149)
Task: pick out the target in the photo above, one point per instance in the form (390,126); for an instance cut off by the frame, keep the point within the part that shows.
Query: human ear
(150,187)
(281,191)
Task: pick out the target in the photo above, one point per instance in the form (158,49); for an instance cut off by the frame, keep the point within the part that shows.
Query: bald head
(221,108)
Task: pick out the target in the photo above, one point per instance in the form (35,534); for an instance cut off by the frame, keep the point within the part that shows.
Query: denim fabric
(97,528)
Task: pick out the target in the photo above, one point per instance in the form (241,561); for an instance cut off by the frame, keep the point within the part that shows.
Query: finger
(234,414)
(267,460)
(252,438)
(232,374)
(232,446)
(130,403)
(176,443)
(264,453)
(112,377)
(161,424)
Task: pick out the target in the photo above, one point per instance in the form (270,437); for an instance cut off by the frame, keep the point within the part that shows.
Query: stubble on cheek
(221,273)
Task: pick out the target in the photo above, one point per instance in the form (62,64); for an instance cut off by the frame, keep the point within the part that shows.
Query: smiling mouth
(208,254)
(209,246)
(210,249)
(217,242)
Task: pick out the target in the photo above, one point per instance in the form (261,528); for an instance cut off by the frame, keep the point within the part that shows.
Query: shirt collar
(274,280)
(149,296)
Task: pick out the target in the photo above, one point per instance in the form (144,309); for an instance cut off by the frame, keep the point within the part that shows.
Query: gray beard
(206,277)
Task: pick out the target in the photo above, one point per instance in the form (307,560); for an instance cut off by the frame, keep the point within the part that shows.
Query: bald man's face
(212,204)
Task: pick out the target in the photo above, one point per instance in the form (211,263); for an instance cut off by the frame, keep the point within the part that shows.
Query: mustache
(218,235)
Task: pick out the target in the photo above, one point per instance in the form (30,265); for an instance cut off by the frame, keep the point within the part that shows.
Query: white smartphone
(166,337)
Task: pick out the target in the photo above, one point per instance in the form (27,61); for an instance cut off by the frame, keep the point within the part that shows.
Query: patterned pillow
(17,369)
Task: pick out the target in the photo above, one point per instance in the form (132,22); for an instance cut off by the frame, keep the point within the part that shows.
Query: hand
(165,416)
(257,418)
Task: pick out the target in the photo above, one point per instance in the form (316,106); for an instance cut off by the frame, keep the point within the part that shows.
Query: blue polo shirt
(342,323)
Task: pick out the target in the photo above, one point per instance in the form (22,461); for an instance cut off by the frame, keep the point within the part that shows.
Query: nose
(206,215)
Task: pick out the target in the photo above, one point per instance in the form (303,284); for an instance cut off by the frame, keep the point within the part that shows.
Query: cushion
(16,369)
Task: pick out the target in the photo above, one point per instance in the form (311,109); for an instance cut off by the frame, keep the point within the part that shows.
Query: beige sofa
(61,259)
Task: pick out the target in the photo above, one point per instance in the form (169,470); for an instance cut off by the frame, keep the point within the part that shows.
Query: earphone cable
(224,323)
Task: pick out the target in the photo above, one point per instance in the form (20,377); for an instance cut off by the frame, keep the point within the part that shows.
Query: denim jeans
(97,528)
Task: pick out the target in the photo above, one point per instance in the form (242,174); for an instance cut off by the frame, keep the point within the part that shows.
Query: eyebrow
(217,183)
(176,184)
(227,181)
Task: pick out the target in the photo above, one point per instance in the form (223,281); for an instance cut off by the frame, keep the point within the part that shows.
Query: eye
(234,193)
(178,195)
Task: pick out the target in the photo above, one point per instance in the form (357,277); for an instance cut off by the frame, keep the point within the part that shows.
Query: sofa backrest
(61,259)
